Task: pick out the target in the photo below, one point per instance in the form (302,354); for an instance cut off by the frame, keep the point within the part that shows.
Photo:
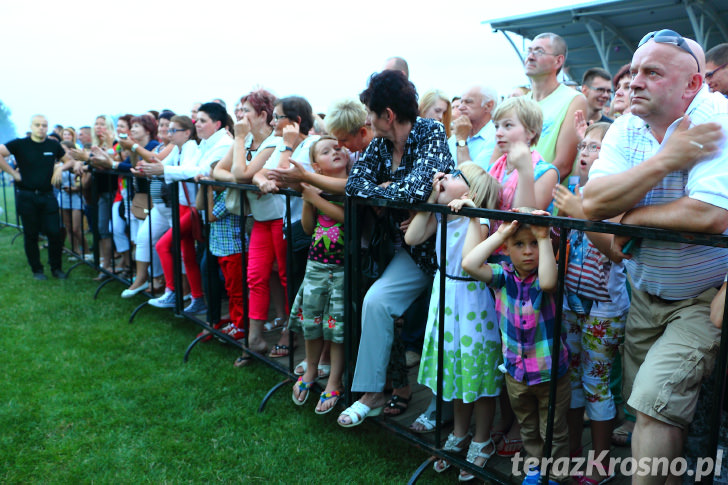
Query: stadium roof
(605,33)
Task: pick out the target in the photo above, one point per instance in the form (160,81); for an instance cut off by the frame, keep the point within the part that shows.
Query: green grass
(86,397)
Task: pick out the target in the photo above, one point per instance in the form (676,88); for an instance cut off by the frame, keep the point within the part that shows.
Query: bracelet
(134,147)
(114,165)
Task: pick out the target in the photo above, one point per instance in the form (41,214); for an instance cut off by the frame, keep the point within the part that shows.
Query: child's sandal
(475,451)
(455,444)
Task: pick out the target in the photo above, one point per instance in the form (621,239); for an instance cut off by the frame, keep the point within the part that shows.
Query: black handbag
(377,256)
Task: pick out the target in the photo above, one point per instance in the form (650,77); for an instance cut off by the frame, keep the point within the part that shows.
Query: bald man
(36,157)
(397,64)
(664,166)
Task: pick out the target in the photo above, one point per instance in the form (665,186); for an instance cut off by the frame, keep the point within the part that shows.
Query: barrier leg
(420,469)
(136,310)
(273,390)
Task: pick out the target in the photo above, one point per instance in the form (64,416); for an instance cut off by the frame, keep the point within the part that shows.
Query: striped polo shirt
(672,271)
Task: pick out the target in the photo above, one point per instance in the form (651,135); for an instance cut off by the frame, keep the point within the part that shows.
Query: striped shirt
(527,320)
(673,271)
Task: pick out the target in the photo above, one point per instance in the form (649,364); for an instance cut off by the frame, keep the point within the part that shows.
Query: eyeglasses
(277,117)
(667,36)
(172,131)
(459,173)
(538,52)
(710,74)
(590,148)
(601,91)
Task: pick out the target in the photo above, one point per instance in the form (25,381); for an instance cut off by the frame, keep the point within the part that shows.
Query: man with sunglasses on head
(716,72)
(664,165)
(557,144)
(596,86)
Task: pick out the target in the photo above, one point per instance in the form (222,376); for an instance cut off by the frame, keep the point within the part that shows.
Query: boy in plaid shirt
(526,308)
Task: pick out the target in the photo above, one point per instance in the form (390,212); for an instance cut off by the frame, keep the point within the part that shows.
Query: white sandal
(357,413)
(475,451)
(427,423)
(275,324)
(455,444)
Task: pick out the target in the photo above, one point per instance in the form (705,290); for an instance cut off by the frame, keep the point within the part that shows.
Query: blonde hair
(346,116)
(527,111)
(109,128)
(600,127)
(72,132)
(429,99)
(484,189)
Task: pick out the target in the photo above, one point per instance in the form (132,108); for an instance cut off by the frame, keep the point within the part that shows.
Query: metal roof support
(518,52)
(598,40)
(606,25)
(696,24)
(715,20)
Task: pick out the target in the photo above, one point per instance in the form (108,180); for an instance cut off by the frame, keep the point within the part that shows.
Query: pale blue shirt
(480,146)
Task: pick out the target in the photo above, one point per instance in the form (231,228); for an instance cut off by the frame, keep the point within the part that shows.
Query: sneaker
(59,273)
(207,334)
(187,297)
(196,306)
(40,276)
(165,301)
(234,331)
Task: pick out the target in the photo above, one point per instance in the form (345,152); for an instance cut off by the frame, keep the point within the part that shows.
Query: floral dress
(472,339)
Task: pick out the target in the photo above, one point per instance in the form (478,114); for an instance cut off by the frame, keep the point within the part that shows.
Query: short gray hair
(489,94)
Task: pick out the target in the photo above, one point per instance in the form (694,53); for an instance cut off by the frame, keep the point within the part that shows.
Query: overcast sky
(74,60)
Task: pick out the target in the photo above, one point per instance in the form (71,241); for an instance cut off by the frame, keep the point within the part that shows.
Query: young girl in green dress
(472,346)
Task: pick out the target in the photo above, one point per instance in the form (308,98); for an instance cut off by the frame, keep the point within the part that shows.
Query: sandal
(509,447)
(302,386)
(396,405)
(242,361)
(427,423)
(475,451)
(273,325)
(325,396)
(621,436)
(454,444)
(279,351)
(357,413)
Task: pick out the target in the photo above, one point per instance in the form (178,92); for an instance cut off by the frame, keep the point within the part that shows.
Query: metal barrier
(353,319)
(353,309)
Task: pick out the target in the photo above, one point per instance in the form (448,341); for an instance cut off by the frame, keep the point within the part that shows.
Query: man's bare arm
(568,138)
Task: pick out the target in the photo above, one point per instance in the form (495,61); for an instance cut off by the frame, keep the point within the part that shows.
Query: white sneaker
(165,301)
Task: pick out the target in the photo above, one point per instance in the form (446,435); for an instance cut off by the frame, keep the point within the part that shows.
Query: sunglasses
(459,173)
(667,36)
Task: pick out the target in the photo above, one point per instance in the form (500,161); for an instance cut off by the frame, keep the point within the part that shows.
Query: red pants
(266,245)
(164,249)
(232,269)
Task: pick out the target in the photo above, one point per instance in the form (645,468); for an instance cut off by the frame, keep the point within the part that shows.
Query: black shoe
(58,273)
(40,276)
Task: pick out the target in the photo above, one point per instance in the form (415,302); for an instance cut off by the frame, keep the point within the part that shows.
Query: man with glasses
(716,74)
(664,166)
(557,143)
(596,86)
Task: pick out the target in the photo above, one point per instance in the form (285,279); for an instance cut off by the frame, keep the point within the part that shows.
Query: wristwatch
(283,149)
(462,143)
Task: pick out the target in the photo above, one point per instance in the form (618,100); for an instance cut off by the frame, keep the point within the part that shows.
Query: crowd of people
(643,147)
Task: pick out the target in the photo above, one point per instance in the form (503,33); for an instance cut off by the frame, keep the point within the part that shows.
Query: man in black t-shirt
(36,158)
